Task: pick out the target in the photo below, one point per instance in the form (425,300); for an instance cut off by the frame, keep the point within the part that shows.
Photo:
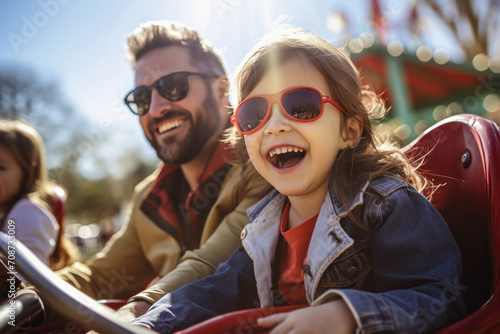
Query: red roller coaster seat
(464,156)
(461,155)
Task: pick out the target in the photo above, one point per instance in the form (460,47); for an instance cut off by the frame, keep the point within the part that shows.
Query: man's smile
(169,125)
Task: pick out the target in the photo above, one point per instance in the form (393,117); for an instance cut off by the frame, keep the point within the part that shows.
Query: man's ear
(221,87)
(352,131)
(220,90)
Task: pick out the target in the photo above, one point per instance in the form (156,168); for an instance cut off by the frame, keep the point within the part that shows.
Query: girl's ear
(352,131)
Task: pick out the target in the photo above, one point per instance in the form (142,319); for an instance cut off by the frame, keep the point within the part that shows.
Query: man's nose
(159,105)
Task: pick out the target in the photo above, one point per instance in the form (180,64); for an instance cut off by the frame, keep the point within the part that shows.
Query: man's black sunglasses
(173,87)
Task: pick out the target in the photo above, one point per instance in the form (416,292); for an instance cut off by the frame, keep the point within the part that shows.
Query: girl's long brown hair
(371,155)
(26,145)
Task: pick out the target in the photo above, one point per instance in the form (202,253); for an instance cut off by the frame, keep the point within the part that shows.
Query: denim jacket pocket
(347,271)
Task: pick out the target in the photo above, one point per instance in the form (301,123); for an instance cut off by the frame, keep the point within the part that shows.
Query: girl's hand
(333,317)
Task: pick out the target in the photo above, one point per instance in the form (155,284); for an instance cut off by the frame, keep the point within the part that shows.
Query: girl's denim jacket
(397,271)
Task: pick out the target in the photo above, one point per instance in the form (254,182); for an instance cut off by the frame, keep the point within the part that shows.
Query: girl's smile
(285,156)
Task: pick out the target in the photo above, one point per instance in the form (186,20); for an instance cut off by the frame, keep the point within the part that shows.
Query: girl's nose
(277,122)
(159,105)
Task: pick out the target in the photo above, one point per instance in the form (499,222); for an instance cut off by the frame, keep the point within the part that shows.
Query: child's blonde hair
(26,145)
(370,155)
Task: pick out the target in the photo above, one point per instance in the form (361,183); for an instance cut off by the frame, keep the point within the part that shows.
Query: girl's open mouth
(286,156)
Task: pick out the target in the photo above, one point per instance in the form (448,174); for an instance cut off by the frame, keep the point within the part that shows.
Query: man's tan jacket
(141,250)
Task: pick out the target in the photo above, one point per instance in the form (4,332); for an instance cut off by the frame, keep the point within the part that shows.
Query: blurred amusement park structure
(421,89)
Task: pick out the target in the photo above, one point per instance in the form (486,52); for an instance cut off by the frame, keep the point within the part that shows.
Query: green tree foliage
(93,200)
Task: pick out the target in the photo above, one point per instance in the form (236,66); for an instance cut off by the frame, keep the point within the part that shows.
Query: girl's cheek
(253,149)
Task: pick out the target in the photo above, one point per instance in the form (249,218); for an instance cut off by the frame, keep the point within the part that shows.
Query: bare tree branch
(480,23)
(25,95)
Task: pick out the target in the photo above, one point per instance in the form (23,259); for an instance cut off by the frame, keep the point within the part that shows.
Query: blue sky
(80,44)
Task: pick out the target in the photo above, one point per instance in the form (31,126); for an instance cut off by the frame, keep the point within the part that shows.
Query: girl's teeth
(285,150)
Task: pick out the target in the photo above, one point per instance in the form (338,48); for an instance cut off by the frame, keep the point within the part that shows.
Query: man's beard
(174,151)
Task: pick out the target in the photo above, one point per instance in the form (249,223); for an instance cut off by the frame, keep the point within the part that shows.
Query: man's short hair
(158,34)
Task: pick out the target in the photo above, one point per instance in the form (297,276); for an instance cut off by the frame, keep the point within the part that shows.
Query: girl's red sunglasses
(303,104)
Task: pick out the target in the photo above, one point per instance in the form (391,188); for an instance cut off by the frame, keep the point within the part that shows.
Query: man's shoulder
(254,183)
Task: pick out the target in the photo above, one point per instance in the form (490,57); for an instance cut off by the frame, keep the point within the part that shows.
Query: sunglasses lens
(302,103)
(174,87)
(251,113)
(138,100)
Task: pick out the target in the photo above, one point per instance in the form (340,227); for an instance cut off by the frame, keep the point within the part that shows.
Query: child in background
(26,195)
(347,230)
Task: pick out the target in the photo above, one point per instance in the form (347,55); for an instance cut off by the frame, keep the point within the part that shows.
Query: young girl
(26,195)
(346,231)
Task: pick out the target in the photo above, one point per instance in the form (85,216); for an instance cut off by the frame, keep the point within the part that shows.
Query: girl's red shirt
(294,253)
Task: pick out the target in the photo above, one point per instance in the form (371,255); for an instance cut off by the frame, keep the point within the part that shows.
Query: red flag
(414,22)
(379,22)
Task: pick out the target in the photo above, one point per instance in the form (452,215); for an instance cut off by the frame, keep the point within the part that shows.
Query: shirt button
(352,272)
(243,234)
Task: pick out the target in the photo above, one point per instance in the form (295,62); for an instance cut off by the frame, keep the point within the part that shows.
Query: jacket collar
(338,207)
(178,211)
